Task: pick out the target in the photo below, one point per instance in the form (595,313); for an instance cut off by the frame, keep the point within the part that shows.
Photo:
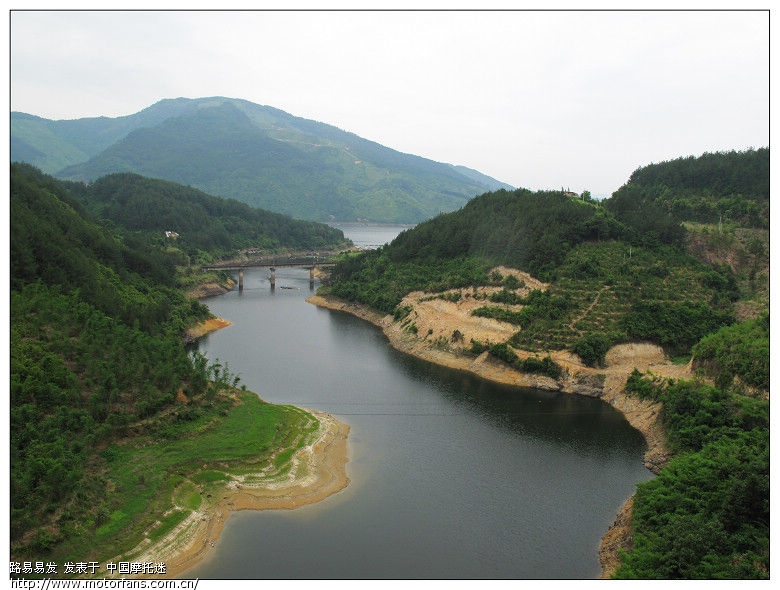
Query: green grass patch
(181,463)
(208,476)
(167,524)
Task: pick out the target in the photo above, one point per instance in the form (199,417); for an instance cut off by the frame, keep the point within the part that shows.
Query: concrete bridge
(309,262)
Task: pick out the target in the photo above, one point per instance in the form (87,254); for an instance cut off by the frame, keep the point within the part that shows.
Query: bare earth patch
(210,325)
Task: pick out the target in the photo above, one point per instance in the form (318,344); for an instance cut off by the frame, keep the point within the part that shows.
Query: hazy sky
(538,99)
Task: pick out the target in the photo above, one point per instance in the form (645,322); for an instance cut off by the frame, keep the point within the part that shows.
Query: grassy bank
(182,462)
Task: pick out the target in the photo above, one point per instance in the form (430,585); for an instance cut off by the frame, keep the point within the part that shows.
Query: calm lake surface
(451,477)
(370,237)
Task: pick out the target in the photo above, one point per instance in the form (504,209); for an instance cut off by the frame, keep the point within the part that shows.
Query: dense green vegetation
(255,154)
(713,188)
(54,241)
(640,266)
(737,352)
(543,366)
(707,513)
(98,367)
(79,379)
(533,231)
(374,279)
(203,223)
(530,231)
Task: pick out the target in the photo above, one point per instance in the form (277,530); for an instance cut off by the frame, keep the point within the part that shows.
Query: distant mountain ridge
(256,154)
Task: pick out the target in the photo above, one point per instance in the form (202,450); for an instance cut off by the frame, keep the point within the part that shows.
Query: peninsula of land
(316,471)
(200,330)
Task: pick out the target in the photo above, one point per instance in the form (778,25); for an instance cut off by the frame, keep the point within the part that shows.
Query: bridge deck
(268,262)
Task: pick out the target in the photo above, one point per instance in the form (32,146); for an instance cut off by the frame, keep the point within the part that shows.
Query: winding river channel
(451,477)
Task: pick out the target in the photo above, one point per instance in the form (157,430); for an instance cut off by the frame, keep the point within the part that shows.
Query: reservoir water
(451,477)
(367,236)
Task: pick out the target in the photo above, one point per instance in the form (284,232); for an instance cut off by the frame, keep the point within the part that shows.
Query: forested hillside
(98,368)
(646,291)
(203,223)
(724,187)
(256,154)
(55,242)
(630,269)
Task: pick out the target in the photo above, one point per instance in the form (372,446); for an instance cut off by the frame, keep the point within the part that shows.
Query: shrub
(401,312)
(504,352)
(740,350)
(511,282)
(676,326)
(545,366)
(500,314)
(592,349)
(478,347)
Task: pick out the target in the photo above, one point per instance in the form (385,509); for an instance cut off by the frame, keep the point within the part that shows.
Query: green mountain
(53,145)
(255,154)
(648,291)
(655,266)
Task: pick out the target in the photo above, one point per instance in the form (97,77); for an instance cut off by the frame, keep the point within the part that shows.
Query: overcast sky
(537,99)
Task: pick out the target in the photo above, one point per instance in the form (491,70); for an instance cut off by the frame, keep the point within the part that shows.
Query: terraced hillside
(604,286)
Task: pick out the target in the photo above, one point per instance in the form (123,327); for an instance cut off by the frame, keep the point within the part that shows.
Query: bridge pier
(308,262)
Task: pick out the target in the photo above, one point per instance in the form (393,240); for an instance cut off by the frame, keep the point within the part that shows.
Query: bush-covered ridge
(601,278)
(55,241)
(203,223)
(714,187)
(737,352)
(706,515)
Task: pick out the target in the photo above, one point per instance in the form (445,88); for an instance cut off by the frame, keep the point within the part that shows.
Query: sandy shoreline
(200,330)
(318,471)
(437,319)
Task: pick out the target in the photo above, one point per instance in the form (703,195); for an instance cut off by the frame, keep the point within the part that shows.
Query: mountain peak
(257,154)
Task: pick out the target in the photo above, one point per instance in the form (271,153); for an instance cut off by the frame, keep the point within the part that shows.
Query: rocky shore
(210,289)
(437,321)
